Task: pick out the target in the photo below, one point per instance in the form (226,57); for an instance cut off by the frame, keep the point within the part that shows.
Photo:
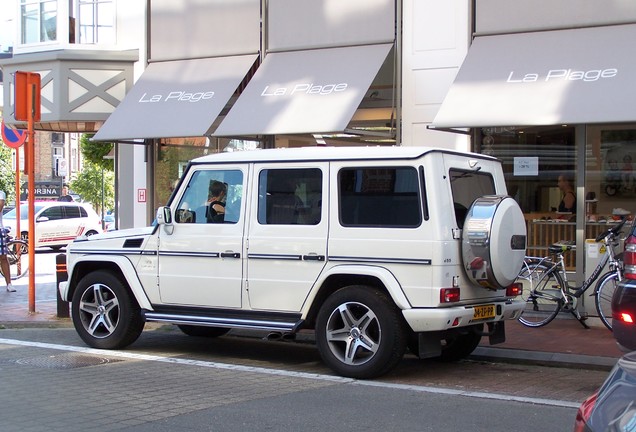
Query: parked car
(624,299)
(56,223)
(613,407)
(109,222)
(376,249)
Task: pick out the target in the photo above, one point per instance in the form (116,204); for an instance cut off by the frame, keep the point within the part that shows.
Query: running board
(226,322)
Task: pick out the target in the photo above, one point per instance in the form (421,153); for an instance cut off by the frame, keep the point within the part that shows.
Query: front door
(288,234)
(201,261)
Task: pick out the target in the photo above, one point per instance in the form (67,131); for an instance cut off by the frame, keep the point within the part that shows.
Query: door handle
(313,257)
(230,255)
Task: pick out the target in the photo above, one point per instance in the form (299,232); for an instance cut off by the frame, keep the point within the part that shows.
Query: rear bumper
(425,320)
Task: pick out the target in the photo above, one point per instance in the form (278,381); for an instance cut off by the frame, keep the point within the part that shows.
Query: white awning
(577,76)
(176,99)
(310,91)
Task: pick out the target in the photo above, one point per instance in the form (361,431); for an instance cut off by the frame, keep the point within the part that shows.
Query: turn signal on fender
(514,290)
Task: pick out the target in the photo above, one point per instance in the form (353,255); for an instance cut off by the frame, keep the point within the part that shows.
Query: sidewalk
(563,342)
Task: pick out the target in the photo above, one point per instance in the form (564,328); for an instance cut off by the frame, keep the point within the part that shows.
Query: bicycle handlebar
(613,231)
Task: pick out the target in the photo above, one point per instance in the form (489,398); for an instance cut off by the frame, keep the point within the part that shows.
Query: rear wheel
(542,293)
(360,332)
(605,289)
(105,314)
(203,331)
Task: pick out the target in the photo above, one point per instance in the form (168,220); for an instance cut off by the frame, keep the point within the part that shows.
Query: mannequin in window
(568,201)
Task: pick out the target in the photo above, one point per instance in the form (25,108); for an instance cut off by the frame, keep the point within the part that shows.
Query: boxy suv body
(375,249)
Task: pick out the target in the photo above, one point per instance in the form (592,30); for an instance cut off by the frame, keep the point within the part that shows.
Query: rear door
(287,234)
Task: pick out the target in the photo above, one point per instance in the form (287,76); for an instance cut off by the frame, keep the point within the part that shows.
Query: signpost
(27,108)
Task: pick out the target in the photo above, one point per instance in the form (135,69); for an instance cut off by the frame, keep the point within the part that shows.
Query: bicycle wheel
(18,259)
(605,288)
(542,293)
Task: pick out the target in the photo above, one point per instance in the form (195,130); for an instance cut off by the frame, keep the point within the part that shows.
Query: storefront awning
(309,91)
(545,78)
(176,99)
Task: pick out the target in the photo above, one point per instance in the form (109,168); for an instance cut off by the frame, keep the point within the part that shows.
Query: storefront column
(580,141)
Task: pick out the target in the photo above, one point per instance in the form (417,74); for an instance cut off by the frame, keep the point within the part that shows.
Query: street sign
(13,138)
(27,86)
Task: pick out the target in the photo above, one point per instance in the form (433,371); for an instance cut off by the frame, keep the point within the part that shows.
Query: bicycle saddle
(561,247)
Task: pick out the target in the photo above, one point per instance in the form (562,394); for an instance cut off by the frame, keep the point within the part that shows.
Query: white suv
(56,223)
(375,249)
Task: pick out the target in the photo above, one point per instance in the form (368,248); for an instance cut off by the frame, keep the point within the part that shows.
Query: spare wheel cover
(494,241)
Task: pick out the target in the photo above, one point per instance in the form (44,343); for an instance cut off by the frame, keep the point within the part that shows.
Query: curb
(544,358)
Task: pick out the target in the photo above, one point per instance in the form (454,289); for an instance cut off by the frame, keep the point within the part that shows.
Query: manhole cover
(65,361)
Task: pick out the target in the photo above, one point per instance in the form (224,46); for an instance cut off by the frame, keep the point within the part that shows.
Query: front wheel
(542,294)
(360,332)
(104,313)
(604,292)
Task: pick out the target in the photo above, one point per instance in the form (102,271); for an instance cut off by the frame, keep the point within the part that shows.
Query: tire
(542,293)
(203,331)
(360,332)
(18,259)
(605,288)
(461,344)
(104,313)
(90,233)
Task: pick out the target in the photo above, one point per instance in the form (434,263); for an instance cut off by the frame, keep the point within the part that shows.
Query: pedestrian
(65,196)
(4,261)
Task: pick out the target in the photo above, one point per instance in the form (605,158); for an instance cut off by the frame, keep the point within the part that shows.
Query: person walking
(4,261)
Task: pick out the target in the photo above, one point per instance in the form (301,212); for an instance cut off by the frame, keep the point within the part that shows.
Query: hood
(110,238)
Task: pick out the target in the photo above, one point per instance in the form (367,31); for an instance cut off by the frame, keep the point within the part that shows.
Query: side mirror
(42,219)
(164,216)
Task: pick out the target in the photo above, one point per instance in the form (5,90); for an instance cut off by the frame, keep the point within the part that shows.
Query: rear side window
(466,187)
(379,197)
(83,212)
(72,212)
(290,196)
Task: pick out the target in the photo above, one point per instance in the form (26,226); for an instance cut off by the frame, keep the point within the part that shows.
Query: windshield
(23,212)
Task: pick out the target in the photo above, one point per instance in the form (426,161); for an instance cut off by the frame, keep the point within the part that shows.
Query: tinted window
(53,213)
(383,196)
(83,212)
(72,212)
(290,196)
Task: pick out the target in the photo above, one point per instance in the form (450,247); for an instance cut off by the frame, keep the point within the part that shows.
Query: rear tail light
(449,295)
(514,290)
(629,257)
(626,317)
(584,413)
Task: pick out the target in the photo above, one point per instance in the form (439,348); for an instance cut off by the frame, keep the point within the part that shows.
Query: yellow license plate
(484,312)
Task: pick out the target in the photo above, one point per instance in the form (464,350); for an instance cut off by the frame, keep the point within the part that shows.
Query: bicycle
(17,254)
(547,291)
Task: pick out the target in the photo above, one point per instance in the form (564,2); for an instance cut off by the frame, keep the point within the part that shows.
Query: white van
(376,249)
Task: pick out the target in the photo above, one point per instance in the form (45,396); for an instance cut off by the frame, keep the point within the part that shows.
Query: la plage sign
(562,74)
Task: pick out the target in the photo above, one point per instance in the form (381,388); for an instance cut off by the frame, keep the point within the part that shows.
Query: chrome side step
(227,322)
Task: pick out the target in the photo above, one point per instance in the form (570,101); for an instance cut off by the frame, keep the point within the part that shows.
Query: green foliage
(88,185)
(7,174)
(94,152)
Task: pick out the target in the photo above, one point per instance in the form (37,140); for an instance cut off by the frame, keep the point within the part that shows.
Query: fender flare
(382,274)
(127,270)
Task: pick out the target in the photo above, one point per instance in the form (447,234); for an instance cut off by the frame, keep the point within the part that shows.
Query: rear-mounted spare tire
(494,241)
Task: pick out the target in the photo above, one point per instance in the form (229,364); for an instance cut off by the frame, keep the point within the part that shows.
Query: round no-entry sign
(14,138)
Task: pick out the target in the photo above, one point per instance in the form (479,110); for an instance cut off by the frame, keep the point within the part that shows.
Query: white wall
(436,36)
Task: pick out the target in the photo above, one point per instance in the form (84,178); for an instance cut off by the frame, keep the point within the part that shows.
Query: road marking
(306,375)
